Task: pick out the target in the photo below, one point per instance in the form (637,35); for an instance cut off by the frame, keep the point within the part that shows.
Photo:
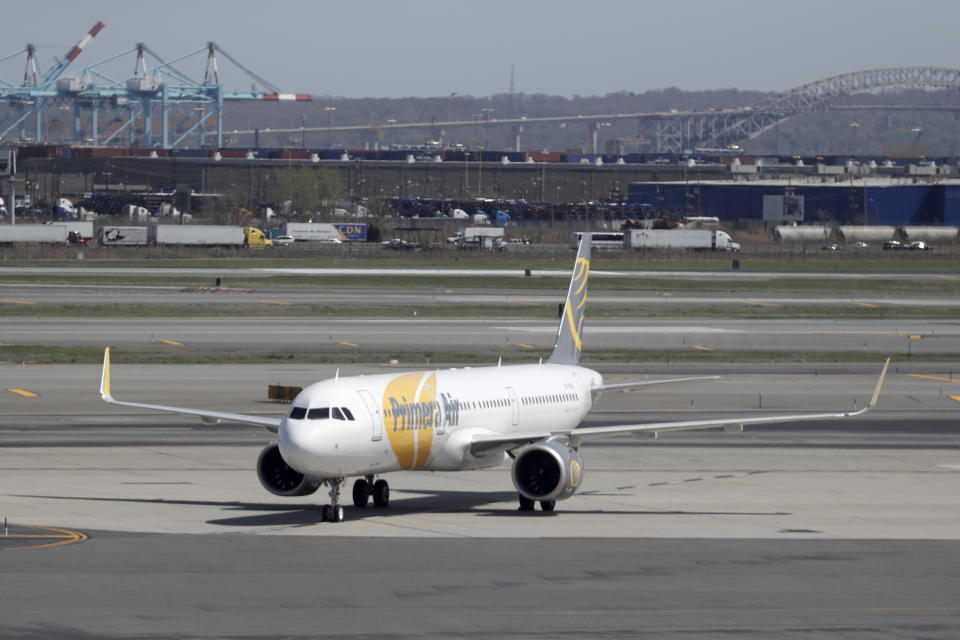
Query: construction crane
(154,86)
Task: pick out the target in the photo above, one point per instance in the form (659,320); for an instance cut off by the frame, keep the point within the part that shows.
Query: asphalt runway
(128,524)
(212,296)
(890,337)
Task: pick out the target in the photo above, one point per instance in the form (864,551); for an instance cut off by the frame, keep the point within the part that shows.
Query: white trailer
(693,239)
(325,231)
(114,236)
(37,233)
(196,235)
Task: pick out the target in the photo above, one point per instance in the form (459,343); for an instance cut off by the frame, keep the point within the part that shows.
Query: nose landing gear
(333,512)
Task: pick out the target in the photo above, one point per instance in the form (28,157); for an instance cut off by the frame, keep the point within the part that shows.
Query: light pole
(486,116)
(391,122)
(330,111)
(853,137)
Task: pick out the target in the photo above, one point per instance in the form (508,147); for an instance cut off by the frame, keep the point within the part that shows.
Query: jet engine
(547,471)
(278,478)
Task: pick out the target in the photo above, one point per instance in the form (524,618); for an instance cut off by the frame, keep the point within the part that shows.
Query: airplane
(453,420)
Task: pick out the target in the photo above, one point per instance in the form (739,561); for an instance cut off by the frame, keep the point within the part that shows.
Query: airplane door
(376,415)
(515,404)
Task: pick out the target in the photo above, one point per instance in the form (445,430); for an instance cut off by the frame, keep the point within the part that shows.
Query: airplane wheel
(325,513)
(337,513)
(526,504)
(381,493)
(548,505)
(361,493)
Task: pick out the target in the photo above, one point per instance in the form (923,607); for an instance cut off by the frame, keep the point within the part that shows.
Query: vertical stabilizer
(569,337)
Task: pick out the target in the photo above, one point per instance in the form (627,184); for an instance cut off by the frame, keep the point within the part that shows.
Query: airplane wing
(210,417)
(486,444)
(647,383)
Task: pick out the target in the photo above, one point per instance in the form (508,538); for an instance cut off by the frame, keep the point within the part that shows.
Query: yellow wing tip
(105,379)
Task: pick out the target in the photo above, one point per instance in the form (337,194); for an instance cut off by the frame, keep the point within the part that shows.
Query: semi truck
(478,238)
(691,239)
(191,235)
(325,231)
(55,233)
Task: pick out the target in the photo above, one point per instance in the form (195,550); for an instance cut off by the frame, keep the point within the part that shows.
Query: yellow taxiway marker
(763,304)
(58,537)
(915,337)
(274,302)
(867,304)
(525,346)
(24,393)
(702,348)
(11,301)
(957,398)
(173,342)
(349,344)
(938,378)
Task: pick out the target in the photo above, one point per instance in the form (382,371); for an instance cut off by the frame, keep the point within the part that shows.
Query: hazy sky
(382,48)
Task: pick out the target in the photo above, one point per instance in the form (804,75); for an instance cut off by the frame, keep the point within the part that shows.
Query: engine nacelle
(279,478)
(547,471)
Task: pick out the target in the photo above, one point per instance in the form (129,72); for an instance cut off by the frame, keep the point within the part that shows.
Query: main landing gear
(526,504)
(363,488)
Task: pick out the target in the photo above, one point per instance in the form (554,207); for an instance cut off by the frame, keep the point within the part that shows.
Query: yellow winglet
(105,378)
(876,392)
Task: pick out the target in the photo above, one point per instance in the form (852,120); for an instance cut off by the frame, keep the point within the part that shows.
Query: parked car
(283,241)
(918,245)
(831,247)
(892,244)
(859,244)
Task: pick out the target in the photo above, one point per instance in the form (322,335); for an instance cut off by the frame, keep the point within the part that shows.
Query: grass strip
(53,355)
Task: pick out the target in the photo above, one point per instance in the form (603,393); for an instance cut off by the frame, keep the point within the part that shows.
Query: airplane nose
(296,443)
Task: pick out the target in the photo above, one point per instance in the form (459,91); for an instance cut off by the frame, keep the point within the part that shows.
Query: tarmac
(127,524)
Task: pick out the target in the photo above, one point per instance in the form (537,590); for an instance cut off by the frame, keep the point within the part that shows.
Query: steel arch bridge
(719,129)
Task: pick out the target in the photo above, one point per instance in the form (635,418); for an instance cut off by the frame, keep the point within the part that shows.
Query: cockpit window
(298,413)
(337,414)
(319,413)
(347,413)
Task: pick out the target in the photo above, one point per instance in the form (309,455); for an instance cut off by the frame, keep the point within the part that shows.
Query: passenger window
(337,414)
(297,413)
(320,413)
(347,413)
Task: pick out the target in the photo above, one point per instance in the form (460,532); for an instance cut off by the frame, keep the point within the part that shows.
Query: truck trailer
(55,233)
(207,235)
(325,231)
(691,239)
(124,236)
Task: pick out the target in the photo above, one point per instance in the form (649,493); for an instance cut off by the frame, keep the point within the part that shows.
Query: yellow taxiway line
(937,378)
(24,393)
(59,536)
(172,342)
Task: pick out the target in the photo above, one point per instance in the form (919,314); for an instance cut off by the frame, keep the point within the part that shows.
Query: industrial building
(873,202)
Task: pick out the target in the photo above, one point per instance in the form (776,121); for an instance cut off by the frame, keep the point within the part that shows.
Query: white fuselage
(426,420)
